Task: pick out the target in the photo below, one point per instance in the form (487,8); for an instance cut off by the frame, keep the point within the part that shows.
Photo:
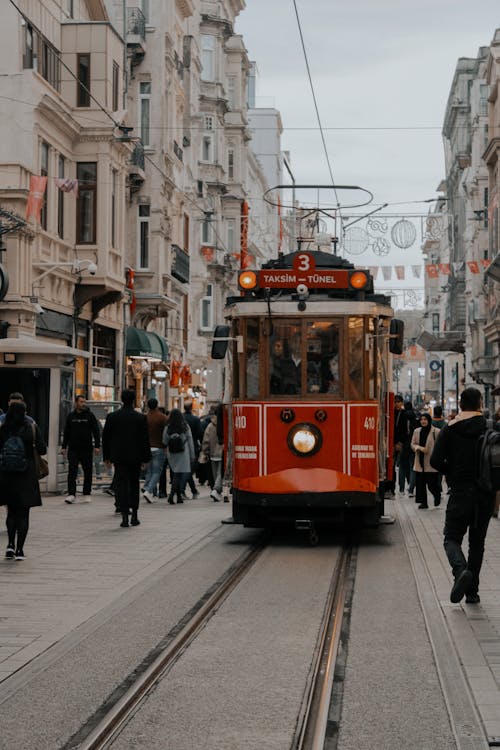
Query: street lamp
(410,376)
(421,373)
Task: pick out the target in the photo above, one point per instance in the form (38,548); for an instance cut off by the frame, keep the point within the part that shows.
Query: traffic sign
(434,365)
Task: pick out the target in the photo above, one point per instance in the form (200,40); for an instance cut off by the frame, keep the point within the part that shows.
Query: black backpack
(175,443)
(488,463)
(13,455)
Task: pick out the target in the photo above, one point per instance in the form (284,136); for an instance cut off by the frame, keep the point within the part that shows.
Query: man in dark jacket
(82,437)
(125,443)
(469,507)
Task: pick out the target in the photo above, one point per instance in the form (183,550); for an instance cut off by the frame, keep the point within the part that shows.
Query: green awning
(146,344)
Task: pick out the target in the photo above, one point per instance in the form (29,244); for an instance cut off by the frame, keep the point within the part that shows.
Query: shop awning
(147,344)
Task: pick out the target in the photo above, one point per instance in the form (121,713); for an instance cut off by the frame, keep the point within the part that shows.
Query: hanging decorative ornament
(381,246)
(403,234)
(356,241)
(434,227)
(376,227)
(411,298)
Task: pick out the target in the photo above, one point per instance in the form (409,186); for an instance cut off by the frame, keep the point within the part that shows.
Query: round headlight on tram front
(304,439)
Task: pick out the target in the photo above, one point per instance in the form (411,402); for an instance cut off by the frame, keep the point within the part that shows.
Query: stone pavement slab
(79,560)
(474,629)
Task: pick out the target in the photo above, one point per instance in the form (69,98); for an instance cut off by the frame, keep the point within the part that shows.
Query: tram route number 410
(240,422)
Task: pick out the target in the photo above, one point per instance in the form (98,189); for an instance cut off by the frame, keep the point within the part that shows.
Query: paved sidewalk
(79,560)
(474,629)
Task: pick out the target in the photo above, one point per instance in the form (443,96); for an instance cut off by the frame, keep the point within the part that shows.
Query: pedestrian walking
(194,423)
(19,488)
(496,426)
(400,440)
(422,444)
(469,507)
(81,441)
(156,424)
(212,448)
(180,453)
(125,443)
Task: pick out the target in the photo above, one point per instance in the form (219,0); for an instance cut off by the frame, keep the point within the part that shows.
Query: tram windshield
(304,357)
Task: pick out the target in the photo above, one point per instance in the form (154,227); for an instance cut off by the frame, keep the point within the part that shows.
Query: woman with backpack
(19,488)
(178,441)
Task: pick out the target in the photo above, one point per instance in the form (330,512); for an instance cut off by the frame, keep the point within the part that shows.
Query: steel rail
(120,713)
(312,732)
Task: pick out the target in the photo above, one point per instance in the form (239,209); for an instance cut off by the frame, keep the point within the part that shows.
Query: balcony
(136,35)
(180,264)
(136,168)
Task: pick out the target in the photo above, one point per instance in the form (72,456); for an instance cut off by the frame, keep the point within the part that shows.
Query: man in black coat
(125,443)
(469,507)
(82,438)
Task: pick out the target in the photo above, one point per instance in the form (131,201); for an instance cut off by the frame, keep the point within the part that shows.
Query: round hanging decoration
(356,241)
(403,234)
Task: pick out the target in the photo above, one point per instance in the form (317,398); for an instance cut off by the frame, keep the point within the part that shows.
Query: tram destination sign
(313,278)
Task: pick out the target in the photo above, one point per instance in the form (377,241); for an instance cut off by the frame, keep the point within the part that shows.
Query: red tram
(308,423)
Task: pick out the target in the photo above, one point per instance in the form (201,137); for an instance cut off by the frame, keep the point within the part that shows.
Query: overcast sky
(377,65)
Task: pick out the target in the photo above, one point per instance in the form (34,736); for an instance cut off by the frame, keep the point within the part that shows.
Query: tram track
(319,721)
(105,725)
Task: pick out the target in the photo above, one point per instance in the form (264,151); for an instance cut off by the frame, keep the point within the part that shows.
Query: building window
(41,56)
(230,164)
(207,57)
(144,111)
(231,93)
(207,310)
(206,231)
(60,197)
(86,207)
(207,148)
(483,98)
(44,171)
(116,86)
(114,184)
(208,123)
(435,322)
(231,235)
(144,214)
(186,233)
(83,72)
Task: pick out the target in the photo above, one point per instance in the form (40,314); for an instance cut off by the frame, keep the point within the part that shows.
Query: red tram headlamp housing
(359,280)
(304,439)
(247,281)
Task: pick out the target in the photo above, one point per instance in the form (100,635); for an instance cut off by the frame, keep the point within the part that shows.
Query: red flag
(473,266)
(130,284)
(208,253)
(244,235)
(485,263)
(444,269)
(175,372)
(432,270)
(35,198)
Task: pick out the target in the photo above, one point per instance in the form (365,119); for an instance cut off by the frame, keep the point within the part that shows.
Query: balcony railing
(136,22)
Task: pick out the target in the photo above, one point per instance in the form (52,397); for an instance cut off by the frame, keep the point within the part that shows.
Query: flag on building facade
(432,270)
(67,185)
(485,262)
(208,253)
(38,186)
(444,269)
(473,266)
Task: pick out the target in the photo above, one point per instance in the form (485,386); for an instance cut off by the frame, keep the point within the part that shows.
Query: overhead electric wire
(316,107)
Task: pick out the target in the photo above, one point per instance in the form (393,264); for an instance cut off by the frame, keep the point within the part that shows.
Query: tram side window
(285,359)
(323,367)
(252,359)
(356,357)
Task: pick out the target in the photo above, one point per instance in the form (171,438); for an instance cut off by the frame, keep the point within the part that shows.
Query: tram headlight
(304,439)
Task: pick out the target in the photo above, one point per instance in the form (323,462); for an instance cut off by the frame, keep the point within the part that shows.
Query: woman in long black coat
(20,491)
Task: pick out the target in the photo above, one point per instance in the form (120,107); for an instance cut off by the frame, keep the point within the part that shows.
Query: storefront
(147,355)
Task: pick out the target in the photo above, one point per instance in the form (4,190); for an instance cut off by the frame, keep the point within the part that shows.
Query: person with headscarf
(19,490)
(422,444)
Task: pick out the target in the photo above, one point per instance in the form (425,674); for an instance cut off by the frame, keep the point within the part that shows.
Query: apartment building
(61,67)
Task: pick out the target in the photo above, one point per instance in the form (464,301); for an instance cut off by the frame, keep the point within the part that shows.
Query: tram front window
(323,368)
(252,359)
(285,359)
